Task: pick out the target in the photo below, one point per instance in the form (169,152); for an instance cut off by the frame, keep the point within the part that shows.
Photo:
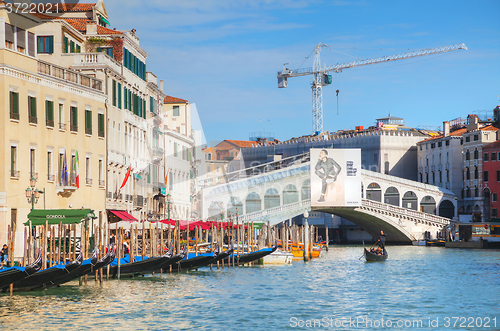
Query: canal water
(417,288)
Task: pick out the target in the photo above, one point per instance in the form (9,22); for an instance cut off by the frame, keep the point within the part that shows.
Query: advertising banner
(335,177)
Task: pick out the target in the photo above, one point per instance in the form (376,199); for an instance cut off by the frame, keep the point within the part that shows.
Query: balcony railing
(14,173)
(33,119)
(88,181)
(73,128)
(88,130)
(49,123)
(14,115)
(100,134)
(50,178)
(62,126)
(69,75)
(139,201)
(101,183)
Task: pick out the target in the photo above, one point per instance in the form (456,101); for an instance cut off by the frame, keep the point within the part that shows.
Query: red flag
(127,175)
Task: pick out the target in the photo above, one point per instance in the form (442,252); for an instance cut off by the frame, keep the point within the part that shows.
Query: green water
(429,288)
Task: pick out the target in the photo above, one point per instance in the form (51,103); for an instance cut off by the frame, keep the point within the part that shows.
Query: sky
(223,56)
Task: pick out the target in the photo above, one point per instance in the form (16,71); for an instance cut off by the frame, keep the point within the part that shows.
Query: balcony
(101,183)
(49,123)
(33,119)
(48,69)
(93,60)
(139,201)
(88,131)
(14,115)
(100,134)
(73,128)
(88,181)
(14,174)
(62,126)
(51,178)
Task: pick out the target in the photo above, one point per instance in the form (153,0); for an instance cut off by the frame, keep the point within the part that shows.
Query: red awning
(123,215)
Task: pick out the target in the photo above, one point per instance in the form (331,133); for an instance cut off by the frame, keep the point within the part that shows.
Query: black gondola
(371,257)
(173,260)
(131,269)
(14,274)
(253,256)
(190,261)
(42,277)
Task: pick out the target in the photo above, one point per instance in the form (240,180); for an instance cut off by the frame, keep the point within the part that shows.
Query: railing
(14,115)
(73,128)
(69,75)
(139,201)
(88,130)
(95,59)
(14,173)
(62,126)
(50,178)
(100,134)
(303,204)
(101,183)
(49,123)
(33,119)
(88,181)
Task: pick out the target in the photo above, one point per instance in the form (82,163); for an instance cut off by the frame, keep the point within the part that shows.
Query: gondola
(87,266)
(13,274)
(42,277)
(371,257)
(191,261)
(253,256)
(171,261)
(139,267)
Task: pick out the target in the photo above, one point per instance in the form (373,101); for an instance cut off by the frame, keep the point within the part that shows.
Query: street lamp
(32,193)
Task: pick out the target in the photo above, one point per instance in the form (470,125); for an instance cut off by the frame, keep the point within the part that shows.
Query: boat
(13,274)
(138,267)
(42,277)
(252,256)
(191,261)
(371,257)
(278,257)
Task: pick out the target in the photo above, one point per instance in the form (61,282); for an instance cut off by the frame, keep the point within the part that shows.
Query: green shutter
(50,44)
(66,41)
(49,109)
(100,123)
(32,106)
(114,93)
(14,102)
(78,48)
(72,46)
(119,95)
(88,120)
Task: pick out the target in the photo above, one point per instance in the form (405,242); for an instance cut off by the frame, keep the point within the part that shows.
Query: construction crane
(321,77)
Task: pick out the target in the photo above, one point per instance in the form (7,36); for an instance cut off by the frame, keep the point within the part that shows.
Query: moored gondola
(138,267)
(372,257)
(252,256)
(13,274)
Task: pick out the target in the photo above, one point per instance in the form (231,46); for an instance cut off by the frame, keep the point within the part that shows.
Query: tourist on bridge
(326,169)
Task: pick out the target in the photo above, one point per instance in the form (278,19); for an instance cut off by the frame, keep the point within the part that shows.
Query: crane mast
(321,78)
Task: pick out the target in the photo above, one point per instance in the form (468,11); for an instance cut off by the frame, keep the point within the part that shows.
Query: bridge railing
(407,212)
(303,204)
(254,171)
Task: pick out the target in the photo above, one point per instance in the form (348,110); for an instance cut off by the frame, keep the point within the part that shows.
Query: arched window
(476,154)
(271,198)
(446,209)
(373,192)
(476,173)
(253,203)
(410,200)
(305,191)
(391,196)
(290,194)
(467,173)
(467,155)
(428,205)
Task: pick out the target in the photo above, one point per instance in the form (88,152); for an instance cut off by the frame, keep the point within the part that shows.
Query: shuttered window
(73,114)
(100,125)
(14,105)
(32,110)
(46,45)
(66,45)
(49,113)
(21,38)
(31,44)
(114,93)
(119,95)
(88,122)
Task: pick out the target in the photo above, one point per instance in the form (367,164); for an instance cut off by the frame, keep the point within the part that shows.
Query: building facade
(491,178)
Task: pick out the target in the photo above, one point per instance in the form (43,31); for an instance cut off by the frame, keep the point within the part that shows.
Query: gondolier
(382,240)
(327,169)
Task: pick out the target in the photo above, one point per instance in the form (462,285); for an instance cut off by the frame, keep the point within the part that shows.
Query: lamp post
(32,193)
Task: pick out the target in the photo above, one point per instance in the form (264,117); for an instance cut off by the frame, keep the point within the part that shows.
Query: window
(447,175)
(485,157)
(62,125)
(485,176)
(119,95)
(175,111)
(49,113)
(32,163)
(88,122)
(476,154)
(13,161)
(100,124)
(72,46)
(467,155)
(60,165)
(498,175)
(433,178)
(66,45)
(494,212)
(21,40)
(32,110)
(88,180)
(476,192)
(440,176)
(101,180)
(476,173)
(440,144)
(493,156)
(476,137)
(14,105)
(9,35)
(494,197)
(45,44)
(175,149)
(420,147)
(433,145)
(131,62)
(106,50)
(73,114)
(114,93)
(447,143)
(467,174)
(50,177)
(461,141)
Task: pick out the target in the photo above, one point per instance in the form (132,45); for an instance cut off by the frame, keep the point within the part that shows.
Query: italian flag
(127,175)
(77,171)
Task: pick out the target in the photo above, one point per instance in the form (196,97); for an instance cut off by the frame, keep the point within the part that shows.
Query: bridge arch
(374,192)
(428,205)
(410,200)
(290,194)
(446,209)
(253,203)
(391,196)
(305,191)
(271,198)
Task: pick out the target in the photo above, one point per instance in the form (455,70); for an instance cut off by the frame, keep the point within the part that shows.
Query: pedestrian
(4,254)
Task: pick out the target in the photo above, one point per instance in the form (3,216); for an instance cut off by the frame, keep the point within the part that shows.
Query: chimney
(91,28)
(446,129)
(161,86)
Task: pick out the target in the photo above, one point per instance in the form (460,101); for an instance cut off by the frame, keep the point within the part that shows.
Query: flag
(76,170)
(127,175)
(64,172)
(166,176)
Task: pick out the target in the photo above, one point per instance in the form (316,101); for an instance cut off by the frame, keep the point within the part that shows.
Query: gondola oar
(368,249)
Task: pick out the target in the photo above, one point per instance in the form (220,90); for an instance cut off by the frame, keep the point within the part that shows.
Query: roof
(81,25)
(169,99)
(493,145)
(455,133)
(76,7)
(243,143)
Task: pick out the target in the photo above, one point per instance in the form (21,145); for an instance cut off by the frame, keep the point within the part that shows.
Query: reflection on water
(415,282)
